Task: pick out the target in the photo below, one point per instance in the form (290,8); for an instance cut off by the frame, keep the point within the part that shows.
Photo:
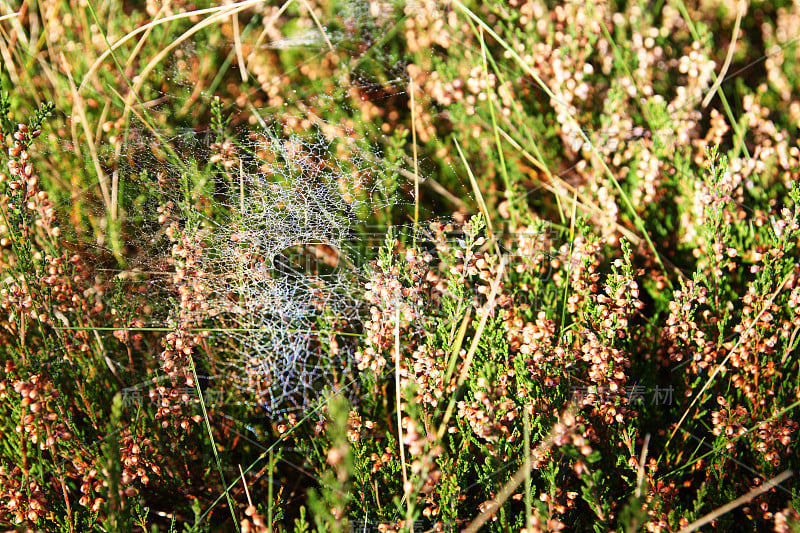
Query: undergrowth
(380,266)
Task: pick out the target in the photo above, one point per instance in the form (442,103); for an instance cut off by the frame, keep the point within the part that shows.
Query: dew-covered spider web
(288,270)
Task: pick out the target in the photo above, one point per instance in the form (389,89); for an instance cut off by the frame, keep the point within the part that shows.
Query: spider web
(286,267)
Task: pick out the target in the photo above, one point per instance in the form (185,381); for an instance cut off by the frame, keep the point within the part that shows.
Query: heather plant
(380,266)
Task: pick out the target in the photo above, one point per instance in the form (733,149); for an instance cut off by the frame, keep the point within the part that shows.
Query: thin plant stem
(213,442)
(399,397)
(412,93)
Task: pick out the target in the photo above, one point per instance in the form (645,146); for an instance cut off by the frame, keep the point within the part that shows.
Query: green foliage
(5,109)
(329,501)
